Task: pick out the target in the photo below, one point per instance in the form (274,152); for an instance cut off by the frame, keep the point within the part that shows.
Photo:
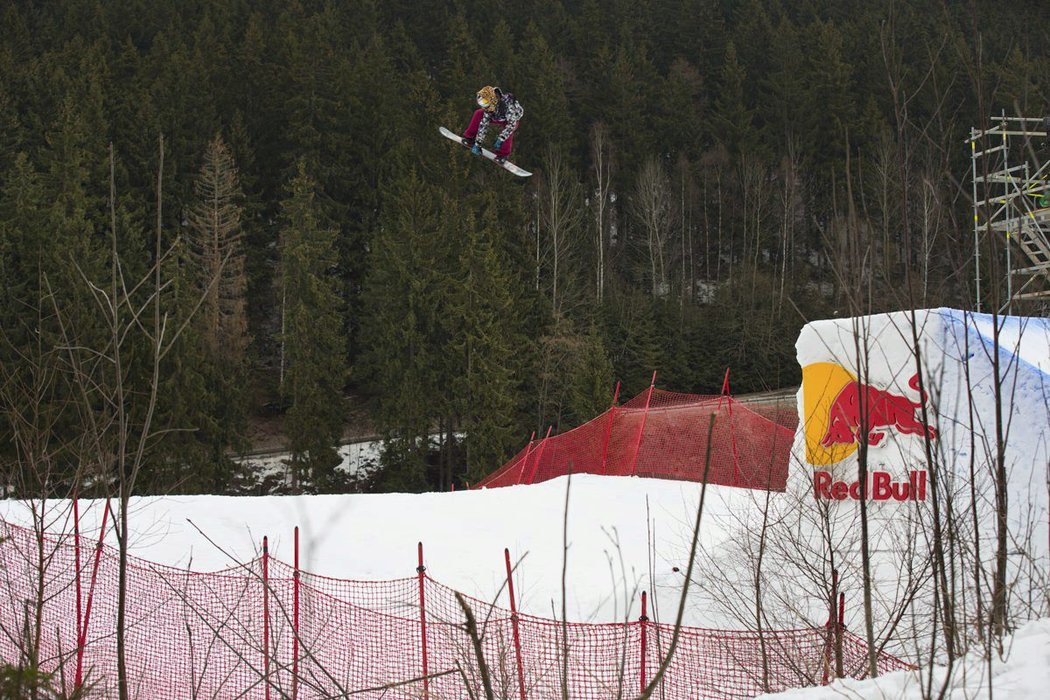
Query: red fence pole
(423,621)
(642,621)
(732,438)
(525,459)
(641,428)
(539,454)
(266,615)
(725,389)
(732,429)
(514,625)
(79,679)
(295,620)
(76,559)
(608,429)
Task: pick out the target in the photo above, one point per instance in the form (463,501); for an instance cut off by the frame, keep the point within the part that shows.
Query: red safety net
(266,630)
(666,435)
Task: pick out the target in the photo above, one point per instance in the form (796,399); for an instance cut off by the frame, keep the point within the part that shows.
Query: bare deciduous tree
(602,165)
(560,219)
(655,212)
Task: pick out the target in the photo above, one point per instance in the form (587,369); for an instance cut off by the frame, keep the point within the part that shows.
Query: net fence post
(641,428)
(76,565)
(295,620)
(539,454)
(266,614)
(525,459)
(82,641)
(514,625)
(643,623)
(732,427)
(608,429)
(420,571)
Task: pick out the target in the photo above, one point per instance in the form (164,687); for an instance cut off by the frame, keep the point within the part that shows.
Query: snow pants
(472,130)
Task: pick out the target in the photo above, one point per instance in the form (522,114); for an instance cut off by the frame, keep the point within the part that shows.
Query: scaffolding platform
(1010,171)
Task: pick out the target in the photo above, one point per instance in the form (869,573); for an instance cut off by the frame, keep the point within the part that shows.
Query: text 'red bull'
(882,410)
(881,486)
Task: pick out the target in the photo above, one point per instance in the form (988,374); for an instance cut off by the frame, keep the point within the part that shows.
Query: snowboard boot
(501,159)
(467,142)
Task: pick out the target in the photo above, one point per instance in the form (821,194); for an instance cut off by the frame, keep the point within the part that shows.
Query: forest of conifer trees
(266,181)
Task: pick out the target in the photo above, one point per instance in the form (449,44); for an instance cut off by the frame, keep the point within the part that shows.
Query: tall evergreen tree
(312,339)
(400,308)
(216,253)
(731,115)
(484,340)
(214,222)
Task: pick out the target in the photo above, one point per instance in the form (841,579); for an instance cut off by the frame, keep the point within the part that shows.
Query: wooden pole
(829,628)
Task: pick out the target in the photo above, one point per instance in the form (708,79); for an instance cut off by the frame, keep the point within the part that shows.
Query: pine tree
(312,334)
(24,253)
(731,118)
(591,382)
(402,357)
(216,280)
(484,340)
(539,84)
(214,222)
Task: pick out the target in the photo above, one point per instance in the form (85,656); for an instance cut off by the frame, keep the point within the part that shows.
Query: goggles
(483,102)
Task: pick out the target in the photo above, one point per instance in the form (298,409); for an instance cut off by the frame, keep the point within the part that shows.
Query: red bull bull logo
(860,406)
(840,411)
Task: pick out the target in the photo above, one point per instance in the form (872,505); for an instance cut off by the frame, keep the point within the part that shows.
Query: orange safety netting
(266,630)
(666,435)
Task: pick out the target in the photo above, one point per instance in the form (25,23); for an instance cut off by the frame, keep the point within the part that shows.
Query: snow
(1023,674)
(464,533)
(358,459)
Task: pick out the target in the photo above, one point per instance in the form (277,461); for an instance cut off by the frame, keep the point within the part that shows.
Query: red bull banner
(950,412)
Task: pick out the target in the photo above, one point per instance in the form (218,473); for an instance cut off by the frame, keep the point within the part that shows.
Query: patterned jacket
(508,111)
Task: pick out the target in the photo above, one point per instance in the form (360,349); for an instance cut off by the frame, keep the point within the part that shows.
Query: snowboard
(508,166)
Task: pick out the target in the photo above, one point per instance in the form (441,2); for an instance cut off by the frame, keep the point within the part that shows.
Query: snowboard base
(506,165)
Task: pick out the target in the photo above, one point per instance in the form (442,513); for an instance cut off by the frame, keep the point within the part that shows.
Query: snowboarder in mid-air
(495,107)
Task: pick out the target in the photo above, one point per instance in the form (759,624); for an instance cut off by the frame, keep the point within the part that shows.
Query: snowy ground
(374,536)
(1024,674)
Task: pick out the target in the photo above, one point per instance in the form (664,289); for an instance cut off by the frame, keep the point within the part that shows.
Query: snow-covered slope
(1024,674)
(463,533)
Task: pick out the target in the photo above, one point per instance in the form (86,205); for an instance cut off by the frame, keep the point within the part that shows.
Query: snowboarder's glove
(476,149)
(496,146)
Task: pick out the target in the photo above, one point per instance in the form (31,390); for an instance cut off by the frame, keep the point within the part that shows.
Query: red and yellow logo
(836,406)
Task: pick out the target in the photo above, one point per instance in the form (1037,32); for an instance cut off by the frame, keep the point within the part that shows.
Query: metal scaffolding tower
(1011,197)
